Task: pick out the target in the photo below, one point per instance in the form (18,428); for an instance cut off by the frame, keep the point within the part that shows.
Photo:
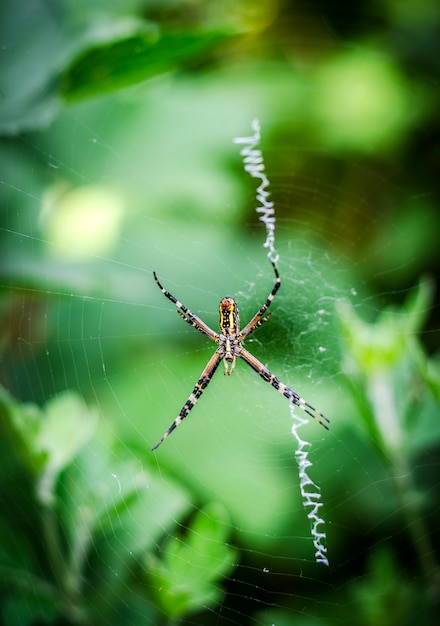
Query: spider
(230,346)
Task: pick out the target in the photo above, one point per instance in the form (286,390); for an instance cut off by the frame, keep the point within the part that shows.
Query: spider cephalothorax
(230,346)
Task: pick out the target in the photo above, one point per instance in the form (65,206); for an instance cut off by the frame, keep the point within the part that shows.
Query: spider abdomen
(229,319)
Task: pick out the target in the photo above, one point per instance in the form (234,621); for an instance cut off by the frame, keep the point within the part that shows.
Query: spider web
(113,190)
(254,164)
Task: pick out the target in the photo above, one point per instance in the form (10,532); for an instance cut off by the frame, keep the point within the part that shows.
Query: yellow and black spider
(230,346)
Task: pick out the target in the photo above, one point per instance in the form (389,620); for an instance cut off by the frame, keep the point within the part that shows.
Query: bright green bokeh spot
(363,101)
(81,222)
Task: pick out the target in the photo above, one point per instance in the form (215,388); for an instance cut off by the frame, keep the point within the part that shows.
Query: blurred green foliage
(184,578)
(116,153)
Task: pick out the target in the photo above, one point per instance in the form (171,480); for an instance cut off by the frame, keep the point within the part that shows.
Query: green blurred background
(117,158)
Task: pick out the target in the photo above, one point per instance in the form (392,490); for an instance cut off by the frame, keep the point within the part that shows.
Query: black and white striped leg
(186,314)
(195,323)
(259,323)
(199,388)
(281,387)
(256,321)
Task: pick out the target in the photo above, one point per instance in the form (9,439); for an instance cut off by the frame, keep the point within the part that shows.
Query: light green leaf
(381,344)
(48,439)
(188,575)
(66,427)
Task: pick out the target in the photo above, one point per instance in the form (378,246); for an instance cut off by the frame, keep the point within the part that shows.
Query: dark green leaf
(131,60)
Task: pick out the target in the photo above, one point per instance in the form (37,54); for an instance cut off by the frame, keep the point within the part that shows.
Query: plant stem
(380,390)
(66,585)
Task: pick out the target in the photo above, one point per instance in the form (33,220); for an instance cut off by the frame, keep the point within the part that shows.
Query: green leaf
(381,344)
(36,46)
(417,306)
(113,512)
(48,439)
(67,426)
(81,50)
(29,607)
(383,596)
(133,59)
(187,576)
(31,45)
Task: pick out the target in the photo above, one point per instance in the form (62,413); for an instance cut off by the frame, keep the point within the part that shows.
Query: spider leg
(187,315)
(259,323)
(197,323)
(256,321)
(281,387)
(201,384)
